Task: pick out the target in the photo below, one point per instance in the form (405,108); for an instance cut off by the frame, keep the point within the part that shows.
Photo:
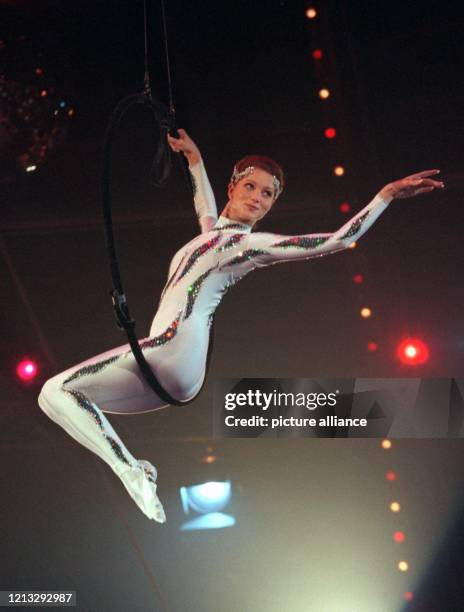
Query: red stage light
(358,279)
(372,346)
(27,370)
(390,475)
(317,54)
(413,351)
(330,132)
(345,207)
(399,536)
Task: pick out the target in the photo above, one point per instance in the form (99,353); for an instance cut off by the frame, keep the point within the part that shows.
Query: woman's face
(251,198)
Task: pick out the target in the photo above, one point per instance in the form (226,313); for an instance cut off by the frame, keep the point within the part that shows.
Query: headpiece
(237,176)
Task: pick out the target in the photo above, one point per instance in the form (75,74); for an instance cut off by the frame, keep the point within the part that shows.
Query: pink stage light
(27,370)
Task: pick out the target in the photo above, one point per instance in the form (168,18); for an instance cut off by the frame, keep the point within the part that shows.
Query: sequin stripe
(197,253)
(232,226)
(231,242)
(194,290)
(148,474)
(87,405)
(302,242)
(246,255)
(93,368)
(194,183)
(172,277)
(355,226)
(166,336)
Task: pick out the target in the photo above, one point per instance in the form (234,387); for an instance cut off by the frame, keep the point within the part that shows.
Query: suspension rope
(165,119)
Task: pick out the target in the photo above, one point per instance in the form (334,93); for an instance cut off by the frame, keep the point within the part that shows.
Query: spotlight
(399,536)
(408,596)
(207,500)
(344,207)
(412,351)
(27,370)
(330,132)
(403,566)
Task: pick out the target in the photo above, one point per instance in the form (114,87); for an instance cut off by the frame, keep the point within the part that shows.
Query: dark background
(244,81)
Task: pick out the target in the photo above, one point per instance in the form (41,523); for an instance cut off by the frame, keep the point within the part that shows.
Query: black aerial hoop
(165,119)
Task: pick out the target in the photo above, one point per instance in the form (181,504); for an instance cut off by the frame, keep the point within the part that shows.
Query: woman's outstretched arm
(203,195)
(265,249)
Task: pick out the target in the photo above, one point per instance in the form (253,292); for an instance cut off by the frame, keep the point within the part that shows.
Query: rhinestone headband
(237,176)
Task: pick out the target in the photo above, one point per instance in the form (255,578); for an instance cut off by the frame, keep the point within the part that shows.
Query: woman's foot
(140,483)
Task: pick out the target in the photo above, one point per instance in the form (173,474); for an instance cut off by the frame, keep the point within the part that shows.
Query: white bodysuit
(200,273)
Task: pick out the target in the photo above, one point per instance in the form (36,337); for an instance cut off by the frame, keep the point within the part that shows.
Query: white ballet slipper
(142,488)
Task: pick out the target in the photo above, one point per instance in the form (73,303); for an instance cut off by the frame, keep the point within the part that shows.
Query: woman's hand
(412,185)
(184,144)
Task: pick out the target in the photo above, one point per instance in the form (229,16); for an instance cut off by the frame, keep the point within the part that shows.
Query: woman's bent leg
(69,400)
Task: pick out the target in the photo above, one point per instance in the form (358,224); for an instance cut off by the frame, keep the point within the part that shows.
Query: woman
(199,275)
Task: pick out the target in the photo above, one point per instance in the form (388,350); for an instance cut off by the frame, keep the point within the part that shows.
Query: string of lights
(396,509)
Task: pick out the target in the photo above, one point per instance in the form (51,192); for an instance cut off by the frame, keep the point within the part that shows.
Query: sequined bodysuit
(200,273)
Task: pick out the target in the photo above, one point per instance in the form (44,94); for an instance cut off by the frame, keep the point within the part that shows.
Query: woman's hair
(263,163)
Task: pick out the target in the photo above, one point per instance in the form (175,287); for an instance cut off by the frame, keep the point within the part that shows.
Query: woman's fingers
(423,174)
(423,190)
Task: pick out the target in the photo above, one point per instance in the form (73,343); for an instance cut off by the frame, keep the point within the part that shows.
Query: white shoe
(141,486)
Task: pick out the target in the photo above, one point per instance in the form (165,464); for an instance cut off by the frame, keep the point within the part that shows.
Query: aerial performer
(199,275)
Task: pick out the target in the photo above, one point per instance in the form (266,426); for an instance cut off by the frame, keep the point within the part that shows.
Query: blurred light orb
(395,506)
(390,475)
(386,444)
(403,566)
(412,351)
(324,94)
(408,596)
(330,133)
(317,54)
(366,313)
(372,347)
(311,13)
(339,170)
(345,207)
(399,536)
(27,370)
(358,279)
